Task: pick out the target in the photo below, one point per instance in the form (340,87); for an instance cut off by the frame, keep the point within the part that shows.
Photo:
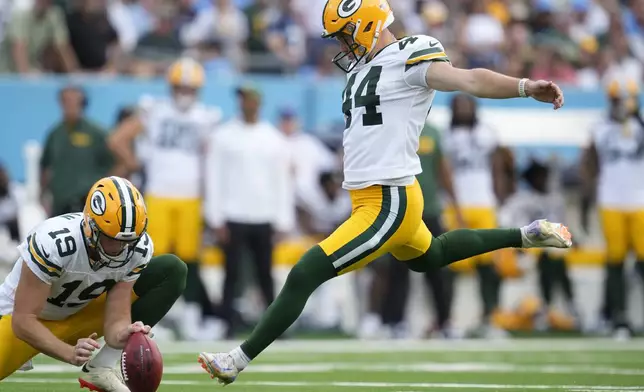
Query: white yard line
(386,346)
(380,367)
(365,385)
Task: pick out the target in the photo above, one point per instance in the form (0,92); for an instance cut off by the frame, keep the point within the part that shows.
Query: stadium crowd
(574,42)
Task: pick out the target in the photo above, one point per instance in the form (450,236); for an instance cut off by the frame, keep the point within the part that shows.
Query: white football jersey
(175,142)
(470,153)
(620,148)
(55,252)
(386,102)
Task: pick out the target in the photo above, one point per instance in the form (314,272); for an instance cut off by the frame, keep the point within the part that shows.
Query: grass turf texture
(387,366)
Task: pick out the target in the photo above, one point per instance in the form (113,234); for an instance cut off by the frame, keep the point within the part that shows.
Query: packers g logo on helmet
(357,25)
(114,213)
(98,204)
(348,8)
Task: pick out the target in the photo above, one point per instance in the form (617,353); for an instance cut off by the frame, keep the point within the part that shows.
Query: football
(141,364)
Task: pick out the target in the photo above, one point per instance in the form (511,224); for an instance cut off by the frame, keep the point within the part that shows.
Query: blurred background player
(176,131)
(436,176)
(541,198)
(475,157)
(614,161)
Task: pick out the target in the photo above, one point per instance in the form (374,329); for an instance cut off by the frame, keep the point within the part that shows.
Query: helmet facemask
(99,257)
(184,96)
(352,52)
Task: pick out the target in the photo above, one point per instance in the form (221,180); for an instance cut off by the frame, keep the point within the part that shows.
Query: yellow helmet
(356,24)
(114,220)
(623,94)
(617,89)
(186,72)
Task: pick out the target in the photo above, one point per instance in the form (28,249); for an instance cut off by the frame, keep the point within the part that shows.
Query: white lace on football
(123,368)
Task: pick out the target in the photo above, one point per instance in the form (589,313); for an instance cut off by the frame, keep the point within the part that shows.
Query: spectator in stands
(482,37)
(593,64)
(214,61)
(633,20)
(157,49)
(93,38)
(37,40)
(286,38)
(224,23)
(550,64)
(75,155)
(186,14)
(131,19)
(589,20)
(259,17)
(518,49)
(249,197)
(624,66)
(5,14)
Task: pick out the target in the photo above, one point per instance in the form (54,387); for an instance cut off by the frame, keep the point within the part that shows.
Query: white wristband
(522,83)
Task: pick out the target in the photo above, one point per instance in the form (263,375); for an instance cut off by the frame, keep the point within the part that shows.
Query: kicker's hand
(545,91)
(84,349)
(124,335)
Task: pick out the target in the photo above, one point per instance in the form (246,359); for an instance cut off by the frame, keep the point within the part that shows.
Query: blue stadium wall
(29,108)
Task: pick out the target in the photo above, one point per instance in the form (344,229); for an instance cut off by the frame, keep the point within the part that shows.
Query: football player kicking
(389,92)
(85,275)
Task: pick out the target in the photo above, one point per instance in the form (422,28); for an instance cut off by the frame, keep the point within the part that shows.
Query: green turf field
(386,366)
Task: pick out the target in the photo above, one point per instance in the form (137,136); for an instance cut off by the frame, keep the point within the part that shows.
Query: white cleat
(102,379)
(544,234)
(220,366)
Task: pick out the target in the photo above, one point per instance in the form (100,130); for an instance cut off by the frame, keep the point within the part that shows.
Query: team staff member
(75,155)
(249,194)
